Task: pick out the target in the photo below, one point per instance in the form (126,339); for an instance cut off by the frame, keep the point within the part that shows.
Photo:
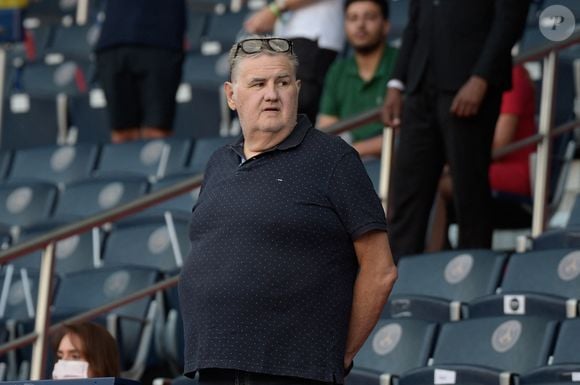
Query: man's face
(264,92)
(364,26)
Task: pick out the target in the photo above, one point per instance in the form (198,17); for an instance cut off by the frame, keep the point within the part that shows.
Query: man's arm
(375,279)
(263,21)
(326,120)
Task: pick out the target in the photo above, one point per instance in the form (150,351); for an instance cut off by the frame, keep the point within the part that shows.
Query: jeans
(239,377)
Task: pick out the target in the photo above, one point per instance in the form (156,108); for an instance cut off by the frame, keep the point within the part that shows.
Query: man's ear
(298,84)
(229,90)
(386,28)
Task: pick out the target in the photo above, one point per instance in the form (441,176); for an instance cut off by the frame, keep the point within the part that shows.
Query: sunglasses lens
(279,45)
(252,46)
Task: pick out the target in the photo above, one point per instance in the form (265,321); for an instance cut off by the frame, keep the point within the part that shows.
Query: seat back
(56,164)
(158,242)
(94,195)
(25,203)
(397,345)
(151,158)
(566,348)
(514,344)
(203,150)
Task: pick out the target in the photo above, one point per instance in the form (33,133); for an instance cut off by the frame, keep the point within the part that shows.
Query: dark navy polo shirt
(268,285)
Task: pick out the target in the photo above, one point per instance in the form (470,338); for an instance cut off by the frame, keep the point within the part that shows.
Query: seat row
(514,349)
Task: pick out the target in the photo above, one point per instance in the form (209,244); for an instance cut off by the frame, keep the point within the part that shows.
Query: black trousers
(431,136)
(313,62)
(238,377)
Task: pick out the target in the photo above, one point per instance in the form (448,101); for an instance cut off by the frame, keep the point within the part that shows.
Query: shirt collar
(296,137)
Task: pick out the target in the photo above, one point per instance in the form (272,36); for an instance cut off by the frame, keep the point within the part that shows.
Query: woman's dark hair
(99,347)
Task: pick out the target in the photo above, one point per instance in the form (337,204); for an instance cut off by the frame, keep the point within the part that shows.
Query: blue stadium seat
(26,203)
(394,347)
(545,283)
(173,332)
(159,242)
(150,158)
(203,149)
(56,164)
(565,363)
(29,121)
(224,29)
(74,41)
(399,14)
(555,239)
(574,219)
(5,238)
(481,351)
(196,24)
(206,70)
(5,159)
(89,117)
(200,111)
(180,205)
(88,197)
(131,324)
(76,253)
(434,286)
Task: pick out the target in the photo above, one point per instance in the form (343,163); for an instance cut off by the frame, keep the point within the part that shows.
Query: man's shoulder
(340,66)
(332,145)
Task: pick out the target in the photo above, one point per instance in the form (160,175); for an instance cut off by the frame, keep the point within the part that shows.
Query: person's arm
(263,21)
(369,147)
(505,130)
(375,279)
(326,120)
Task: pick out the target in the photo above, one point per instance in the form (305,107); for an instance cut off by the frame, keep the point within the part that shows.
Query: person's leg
(437,239)
(468,145)
(417,168)
(160,73)
(314,62)
(119,86)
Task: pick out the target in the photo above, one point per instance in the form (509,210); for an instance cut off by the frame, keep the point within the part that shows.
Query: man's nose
(271,93)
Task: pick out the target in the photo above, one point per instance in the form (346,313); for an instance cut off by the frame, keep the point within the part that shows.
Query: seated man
(357,84)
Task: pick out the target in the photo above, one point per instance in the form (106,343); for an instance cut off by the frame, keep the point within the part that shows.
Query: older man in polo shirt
(290,264)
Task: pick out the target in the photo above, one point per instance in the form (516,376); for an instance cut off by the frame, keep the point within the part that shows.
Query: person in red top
(509,174)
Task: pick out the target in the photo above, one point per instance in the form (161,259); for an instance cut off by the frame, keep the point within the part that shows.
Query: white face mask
(64,369)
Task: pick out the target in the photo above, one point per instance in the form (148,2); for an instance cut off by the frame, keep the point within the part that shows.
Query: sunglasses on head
(274,44)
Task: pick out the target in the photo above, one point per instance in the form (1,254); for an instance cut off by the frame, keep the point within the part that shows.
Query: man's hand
(391,114)
(467,101)
(261,22)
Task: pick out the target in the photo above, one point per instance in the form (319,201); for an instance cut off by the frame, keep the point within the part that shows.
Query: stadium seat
(433,286)
(29,121)
(55,164)
(203,149)
(5,238)
(173,332)
(559,238)
(223,30)
(196,24)
(91,196)
(201,111)
(545,283)
(76,253)
(159,242)
(26,203)
(89,119)
(5,159)
(131,324)
(394,347)
(180,205)
(149,158)
(74,41)
(565,362)
(206,70)
(486,351)
(574,219)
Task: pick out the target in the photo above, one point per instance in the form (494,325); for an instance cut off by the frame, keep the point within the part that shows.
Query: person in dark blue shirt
(139,60)
(290,264)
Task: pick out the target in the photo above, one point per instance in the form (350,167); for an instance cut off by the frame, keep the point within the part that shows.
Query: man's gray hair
(234,59)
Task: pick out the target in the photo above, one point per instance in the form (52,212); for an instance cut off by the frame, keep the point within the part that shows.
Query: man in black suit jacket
(454,64)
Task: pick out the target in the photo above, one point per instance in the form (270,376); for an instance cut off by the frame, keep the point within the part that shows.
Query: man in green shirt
(357,84)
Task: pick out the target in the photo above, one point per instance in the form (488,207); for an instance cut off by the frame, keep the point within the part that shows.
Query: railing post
(386,165)
(543,150)
(42,313)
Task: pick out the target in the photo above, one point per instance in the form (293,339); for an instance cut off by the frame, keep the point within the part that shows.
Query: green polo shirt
(346,94)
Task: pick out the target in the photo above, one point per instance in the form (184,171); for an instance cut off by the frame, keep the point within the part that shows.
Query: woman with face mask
(85,350)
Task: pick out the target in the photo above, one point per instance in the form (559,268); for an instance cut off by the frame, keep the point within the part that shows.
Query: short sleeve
(328,101)
(351,192)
